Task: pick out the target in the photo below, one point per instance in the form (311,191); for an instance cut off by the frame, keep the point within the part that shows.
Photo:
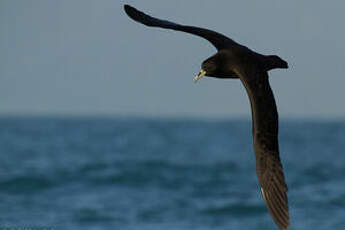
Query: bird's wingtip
(133,12)
(127,7)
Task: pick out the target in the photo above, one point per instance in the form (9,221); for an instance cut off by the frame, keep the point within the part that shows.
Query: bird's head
(208,68)
(218,66)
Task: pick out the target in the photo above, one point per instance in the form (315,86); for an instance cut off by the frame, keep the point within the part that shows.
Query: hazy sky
(88,57)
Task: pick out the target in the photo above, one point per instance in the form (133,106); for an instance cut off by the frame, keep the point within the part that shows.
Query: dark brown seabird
(237,61)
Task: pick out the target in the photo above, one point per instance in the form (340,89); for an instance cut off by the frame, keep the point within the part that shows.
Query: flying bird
(234,60)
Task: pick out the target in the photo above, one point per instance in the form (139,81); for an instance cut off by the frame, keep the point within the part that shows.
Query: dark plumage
(237,61)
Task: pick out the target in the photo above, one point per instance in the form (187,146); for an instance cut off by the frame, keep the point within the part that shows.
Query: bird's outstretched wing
(265,133)
(218,40)
(273,187)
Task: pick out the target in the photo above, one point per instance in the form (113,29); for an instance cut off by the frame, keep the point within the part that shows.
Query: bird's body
(237,61)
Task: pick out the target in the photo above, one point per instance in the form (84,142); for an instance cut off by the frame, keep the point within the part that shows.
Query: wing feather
(218,40)
(272,182)
(265,133)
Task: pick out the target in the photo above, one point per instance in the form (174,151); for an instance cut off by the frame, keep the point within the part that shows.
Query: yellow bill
(199,76)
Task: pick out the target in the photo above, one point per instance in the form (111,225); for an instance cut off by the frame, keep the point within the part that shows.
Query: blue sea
(163,174)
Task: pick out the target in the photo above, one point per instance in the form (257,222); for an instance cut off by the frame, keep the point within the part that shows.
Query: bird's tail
(274,62)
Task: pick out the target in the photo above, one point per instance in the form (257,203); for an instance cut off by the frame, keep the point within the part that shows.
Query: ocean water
(163,174)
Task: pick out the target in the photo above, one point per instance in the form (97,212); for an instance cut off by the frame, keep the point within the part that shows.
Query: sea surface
(163,174)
